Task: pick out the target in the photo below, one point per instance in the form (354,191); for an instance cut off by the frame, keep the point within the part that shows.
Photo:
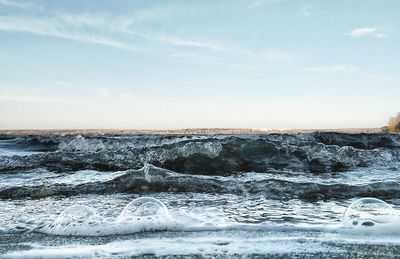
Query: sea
(306,195)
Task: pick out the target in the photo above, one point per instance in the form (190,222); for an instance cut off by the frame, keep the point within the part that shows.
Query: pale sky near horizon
(195,64)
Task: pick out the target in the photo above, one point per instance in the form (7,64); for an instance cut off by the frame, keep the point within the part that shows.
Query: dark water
(241,196)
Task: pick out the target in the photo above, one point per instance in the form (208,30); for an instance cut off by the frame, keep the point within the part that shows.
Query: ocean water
(315,195)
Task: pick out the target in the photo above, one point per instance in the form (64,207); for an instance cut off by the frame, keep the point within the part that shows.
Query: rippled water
(240,196)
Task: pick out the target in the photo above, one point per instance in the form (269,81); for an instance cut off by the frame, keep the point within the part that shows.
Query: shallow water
(241,196)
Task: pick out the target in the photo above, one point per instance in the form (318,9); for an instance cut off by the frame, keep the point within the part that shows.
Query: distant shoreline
(195,131)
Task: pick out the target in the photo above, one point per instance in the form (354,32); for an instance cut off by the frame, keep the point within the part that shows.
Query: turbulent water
(216,196)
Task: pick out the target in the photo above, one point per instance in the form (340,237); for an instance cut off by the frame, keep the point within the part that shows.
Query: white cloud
(334,68)
(366,32)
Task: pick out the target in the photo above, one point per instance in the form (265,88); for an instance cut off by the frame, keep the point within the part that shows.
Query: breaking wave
(307,153)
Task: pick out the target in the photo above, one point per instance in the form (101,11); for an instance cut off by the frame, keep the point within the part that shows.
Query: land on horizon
(191,131)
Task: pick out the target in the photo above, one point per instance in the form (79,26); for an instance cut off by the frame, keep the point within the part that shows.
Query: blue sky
(188,64)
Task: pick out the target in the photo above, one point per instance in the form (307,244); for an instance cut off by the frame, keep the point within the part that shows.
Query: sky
(265,64)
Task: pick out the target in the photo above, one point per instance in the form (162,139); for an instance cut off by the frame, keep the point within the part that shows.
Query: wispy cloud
(366,32)
(124,32)
(94,28)
(221,47)
(190,43)
(63,84)
(20,93)
(102,91)
(87,19)
(252,4)
(279,56)
(334,68)
(381,77)
(206,91)
(126,95)
(305,9)
(53,28)
(29,98)
(20,4)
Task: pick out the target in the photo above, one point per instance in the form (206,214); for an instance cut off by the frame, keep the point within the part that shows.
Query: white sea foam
(180,246)
(142,214)
(149,214)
